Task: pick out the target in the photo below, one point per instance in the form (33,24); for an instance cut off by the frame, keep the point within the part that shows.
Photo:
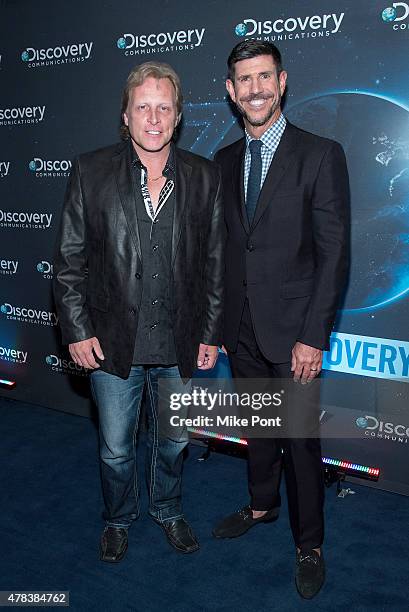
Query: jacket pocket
(297,288)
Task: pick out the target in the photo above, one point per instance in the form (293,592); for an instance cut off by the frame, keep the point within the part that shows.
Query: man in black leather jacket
(139,291)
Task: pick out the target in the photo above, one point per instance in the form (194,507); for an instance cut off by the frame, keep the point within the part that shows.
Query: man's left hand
(207,356)
(306,362)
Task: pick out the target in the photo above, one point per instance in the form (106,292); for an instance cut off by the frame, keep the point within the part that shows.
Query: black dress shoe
(180,535)
(309,573)
(238,523)
(114,543)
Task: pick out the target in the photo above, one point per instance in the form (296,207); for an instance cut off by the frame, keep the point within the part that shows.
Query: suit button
(138,275)
(250,247)
(155,275)
(132,310)
(245,283)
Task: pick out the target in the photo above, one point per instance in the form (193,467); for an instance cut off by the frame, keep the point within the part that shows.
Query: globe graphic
(40,267)
(241,29)
(362,422)
(375,135)
(32,166)
(24,56)
(121,43)
(389,14)
(3,309)
(48,360)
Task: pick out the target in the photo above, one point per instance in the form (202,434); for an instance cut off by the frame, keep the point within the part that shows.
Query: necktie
(253,183)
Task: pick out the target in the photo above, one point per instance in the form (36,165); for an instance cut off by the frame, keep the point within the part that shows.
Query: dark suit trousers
(299,457)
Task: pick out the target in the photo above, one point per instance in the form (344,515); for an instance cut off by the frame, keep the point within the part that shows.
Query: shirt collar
(272,135)
(170,165)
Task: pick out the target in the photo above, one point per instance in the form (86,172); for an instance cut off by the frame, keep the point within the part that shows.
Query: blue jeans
(119,403)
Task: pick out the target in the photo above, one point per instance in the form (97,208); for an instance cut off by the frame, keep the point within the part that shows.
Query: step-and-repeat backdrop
(62,69)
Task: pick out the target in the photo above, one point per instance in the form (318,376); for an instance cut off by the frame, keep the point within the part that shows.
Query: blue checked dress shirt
(270,139)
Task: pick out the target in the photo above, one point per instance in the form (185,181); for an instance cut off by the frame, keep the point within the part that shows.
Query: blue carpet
(50,529)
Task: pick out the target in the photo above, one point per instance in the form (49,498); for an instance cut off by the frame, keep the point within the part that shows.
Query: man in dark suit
(138,287)
(286,210)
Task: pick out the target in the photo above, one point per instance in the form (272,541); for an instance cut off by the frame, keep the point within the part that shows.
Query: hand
(207,356)
(81,353)
(224,349)
(306,362)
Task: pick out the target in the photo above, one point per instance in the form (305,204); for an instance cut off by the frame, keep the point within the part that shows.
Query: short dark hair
(246,49)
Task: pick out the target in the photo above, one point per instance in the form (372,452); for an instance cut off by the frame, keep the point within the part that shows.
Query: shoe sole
(182,550)
(231,537)
(309,596)
(314,594)
(114,560)
(173,544)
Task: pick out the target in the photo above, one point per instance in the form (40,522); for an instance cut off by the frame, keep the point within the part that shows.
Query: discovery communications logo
(162,42)
(368,356)
(12,354)
(8,266)
(398,12)
(25,220)
(4,168)
(22,115)
(45,268)
(55,56)
(26,314)
(375,428)
(64,366)
(291,28)
(47,168)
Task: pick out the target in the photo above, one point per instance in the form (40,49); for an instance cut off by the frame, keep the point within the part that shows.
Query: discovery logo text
(54,56)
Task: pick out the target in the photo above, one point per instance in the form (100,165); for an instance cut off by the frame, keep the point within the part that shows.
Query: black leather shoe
(309,573)
(180,535)
(114,544)
(238,523)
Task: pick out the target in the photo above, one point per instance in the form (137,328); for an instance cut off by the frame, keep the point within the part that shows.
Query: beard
(259,121)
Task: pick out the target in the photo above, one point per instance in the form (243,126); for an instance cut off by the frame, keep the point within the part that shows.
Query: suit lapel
(281,160)
(183,173)
(238,187)
(122,170)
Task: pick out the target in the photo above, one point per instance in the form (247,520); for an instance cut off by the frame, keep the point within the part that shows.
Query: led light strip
(345,465)
(355,467)
(211,434)
(7,383)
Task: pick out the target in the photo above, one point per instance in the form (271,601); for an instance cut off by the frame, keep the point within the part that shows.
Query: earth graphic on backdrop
(389,14)
(375,135)
(241,29)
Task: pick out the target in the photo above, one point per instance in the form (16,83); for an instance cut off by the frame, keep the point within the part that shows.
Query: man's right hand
(82,355)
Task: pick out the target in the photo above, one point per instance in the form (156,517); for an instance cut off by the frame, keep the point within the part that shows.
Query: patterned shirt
(270,139)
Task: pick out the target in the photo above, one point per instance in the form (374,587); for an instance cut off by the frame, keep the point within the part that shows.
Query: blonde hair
(157,70)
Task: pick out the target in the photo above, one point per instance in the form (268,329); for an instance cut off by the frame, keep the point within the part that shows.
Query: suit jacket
(292,262)
(98,266)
